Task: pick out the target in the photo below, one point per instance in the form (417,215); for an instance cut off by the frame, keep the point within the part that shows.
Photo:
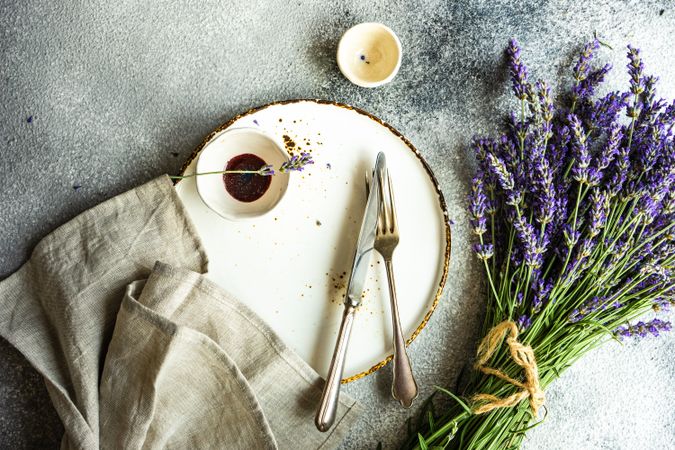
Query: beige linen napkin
(173,363)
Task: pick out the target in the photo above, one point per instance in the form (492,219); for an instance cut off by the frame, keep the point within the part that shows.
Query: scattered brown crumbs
(289,143)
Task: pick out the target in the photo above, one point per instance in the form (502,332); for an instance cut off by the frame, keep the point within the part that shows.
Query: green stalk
(220,172)
(489,277)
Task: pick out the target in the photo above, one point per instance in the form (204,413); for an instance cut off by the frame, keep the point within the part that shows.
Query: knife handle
(325,415)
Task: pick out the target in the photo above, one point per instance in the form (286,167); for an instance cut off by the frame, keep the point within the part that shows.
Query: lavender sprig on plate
(296,163)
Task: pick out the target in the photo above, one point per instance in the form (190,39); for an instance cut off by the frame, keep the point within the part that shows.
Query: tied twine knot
(521,355)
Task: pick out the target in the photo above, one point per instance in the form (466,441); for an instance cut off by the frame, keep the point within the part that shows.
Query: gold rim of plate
(441,201)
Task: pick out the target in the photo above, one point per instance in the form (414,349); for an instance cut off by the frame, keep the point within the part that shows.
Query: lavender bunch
(573,208)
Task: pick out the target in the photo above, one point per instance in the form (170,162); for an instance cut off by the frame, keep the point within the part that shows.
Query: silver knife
(325,416)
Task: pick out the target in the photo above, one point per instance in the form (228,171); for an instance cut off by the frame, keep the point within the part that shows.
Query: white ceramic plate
(290,266)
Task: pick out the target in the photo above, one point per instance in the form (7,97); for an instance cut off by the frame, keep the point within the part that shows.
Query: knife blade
(366,240)
(325,415)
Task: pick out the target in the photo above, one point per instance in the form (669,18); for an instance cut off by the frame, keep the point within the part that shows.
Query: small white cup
(215,156)
(369,54)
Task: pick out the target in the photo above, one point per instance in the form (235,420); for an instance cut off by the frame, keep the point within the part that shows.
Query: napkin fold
(138,353)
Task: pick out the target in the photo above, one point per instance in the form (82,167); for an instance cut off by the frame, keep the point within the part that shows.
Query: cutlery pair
(379,231)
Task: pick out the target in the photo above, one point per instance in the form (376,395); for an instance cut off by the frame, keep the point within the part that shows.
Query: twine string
(523,355)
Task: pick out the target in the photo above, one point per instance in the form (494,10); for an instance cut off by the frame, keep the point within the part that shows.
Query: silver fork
(404,387)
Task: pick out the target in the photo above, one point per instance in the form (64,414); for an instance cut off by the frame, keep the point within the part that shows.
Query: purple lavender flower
(586,309)
(586,80)
(663,303)
(598,212)
(649,148)
(523,322)
(541,177)
(478,146)
(582,67)
(611,147)
(519,298)
(650,105)
(515,197)
(546,104)
(648,207)
(484,251)
(581,260)
(541,289)
(635,70)
(586,88)
(532,249)
(571,235)
(266,170)
(506,150)
(499,170)
(478,204)
(643,329)
(516,257)
(669,203)
(661,273)
(545,205)
(618,179)
(518,71)
(580,171)
(587,246)
(296,163)
(561,214)
(605,111)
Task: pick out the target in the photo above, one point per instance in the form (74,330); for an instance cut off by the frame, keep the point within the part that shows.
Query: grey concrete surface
(97,97)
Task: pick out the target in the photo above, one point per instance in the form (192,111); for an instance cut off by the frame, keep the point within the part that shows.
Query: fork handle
(404,387)
(325,415)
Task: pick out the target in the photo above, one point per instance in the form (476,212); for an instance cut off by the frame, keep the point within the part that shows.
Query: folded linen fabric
(179,363)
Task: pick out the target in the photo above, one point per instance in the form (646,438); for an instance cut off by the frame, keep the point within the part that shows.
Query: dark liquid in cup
(246,187)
